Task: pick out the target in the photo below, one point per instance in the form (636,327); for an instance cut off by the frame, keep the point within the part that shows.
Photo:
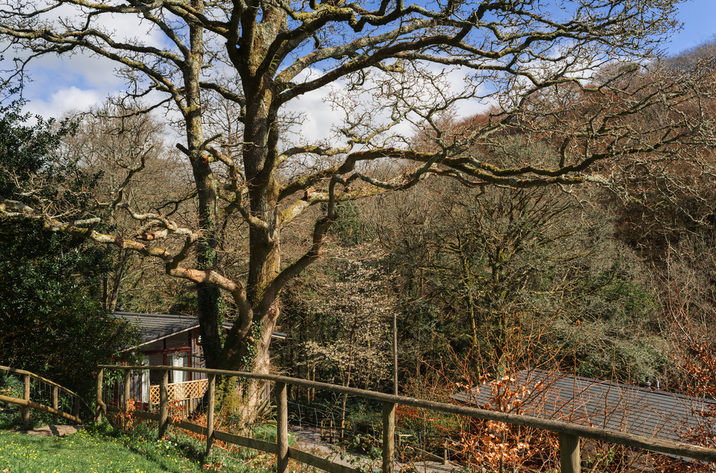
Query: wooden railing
(55,390)
(569,434)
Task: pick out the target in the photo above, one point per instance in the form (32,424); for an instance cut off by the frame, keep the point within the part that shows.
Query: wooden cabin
(170,340)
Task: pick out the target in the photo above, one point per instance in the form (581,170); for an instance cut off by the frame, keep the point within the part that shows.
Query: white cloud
(75,81)
(319,117)
(65,99)
(59,84)
(121,26)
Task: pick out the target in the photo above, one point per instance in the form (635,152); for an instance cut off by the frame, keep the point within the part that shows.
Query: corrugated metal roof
(595,403)
(155,327)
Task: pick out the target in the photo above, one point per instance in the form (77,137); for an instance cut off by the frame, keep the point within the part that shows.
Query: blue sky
(699,18)
(62,84)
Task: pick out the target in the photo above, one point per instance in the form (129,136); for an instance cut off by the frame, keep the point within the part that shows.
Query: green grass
(267,432)
(101,449)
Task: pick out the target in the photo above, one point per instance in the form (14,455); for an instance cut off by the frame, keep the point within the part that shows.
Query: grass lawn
(101,449)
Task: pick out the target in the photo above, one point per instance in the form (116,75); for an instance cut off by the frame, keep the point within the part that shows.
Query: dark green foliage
(612,330)
(51,322)
(498,280)
(11,385)
(28,149)
(350,229)
(184,303)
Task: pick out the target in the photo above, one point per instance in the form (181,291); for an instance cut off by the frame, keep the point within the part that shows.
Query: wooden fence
(55,391)
(569,434)
(188,394)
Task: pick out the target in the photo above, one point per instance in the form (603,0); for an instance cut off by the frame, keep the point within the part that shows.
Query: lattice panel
(180,391)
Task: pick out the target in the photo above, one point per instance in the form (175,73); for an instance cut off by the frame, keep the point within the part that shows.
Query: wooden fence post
(210,413)
(569,453)
(282,428)
(164,404)
(76,405)
(26,396)
(388,437)
(127,386)
(101,407)
(55,401)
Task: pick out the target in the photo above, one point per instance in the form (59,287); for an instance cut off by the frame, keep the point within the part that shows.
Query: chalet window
(179,359)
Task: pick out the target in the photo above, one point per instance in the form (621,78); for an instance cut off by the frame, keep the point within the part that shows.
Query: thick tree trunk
(208,295)
(247,344)
(254,392)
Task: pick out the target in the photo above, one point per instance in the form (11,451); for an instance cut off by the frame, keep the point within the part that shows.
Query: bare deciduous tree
(133,165)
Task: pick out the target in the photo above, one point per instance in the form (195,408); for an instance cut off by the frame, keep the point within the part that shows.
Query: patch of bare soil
(52,430)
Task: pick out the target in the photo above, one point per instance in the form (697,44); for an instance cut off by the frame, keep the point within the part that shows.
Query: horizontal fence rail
(37,392)
(569,434)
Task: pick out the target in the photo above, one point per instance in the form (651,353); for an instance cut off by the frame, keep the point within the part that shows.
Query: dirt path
(52,430)
(309,440)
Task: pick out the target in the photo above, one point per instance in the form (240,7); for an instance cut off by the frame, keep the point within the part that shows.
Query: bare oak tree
(386,63)
(134,166)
